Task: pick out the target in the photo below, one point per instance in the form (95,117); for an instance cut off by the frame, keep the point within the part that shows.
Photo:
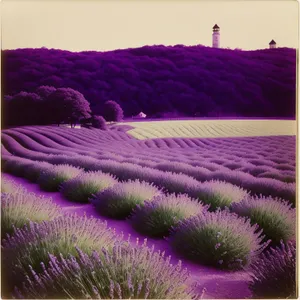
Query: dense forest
(179,80)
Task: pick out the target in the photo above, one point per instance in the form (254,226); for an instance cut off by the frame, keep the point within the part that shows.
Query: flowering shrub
(176,183)
(31,245)
(99,122)
(82,187)
(218,193)
(119,201)
(128,272)
(273,187)
(18,209)
(220,239)
(274,216)
(33,171)
(274,273)
(155,218)
(52,178)
(9,186)
(199,173)
(17,165)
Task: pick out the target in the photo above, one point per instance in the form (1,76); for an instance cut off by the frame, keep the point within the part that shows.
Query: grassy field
(210,128)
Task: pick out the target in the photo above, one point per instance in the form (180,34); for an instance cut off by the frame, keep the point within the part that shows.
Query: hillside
(194,80)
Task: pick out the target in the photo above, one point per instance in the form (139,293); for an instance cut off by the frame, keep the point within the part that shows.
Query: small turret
(272,44)
(216,36)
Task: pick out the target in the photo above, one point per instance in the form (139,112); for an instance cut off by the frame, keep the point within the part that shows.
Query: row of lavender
(220,237)
(47,248)
(269,157)
(155,211)
(125,171)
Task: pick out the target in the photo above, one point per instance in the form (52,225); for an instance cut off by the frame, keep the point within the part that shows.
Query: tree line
(50,105)
(158,80)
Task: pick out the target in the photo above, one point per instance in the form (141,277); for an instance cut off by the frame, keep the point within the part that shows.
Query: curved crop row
(265,186)
(40,259)
(64,137)
(273,275)
(125,273)
(31,245)
(159,214)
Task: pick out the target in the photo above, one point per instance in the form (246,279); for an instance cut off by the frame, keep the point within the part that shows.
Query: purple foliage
(85,185)
(20,207)
(160,79)
(127,272)
(99,122)
(32,244)
(156,217)
(68,104)
(104,150)
(119,200)
(45,91)
(24,108)
(274,273)
(220,239)
(218,194)
(112,111)
(276,217)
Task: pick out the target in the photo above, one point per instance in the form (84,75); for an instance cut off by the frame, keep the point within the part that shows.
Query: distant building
(216,36)
(141,115)
(272,44)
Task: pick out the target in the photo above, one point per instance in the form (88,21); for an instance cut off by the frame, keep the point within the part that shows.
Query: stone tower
(216,36)
(272,44)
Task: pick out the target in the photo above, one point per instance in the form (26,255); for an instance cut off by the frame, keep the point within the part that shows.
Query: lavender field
(148,149)
(219,210)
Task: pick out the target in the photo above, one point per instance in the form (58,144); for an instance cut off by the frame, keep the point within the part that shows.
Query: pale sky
(116,24)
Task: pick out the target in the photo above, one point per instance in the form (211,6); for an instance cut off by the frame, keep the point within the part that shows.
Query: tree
(5,112)
(45,91)
(99,122)
(25,109)
(112,111)
(69,105)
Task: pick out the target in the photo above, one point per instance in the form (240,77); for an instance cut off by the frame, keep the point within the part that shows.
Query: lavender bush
(218,194)
(274,273)
(176,183)
(17,166)
(155,218)
(128,272)
(31,245)
(276,217)
(99,122)
(119,200)
(220,239)
(82,187)
(52,178)
(9,186)
(18,209)
(33,171)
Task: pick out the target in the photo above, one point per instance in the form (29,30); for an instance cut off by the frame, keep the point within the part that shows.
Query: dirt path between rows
(219,284)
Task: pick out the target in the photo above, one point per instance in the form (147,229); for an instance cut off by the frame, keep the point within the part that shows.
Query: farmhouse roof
(272,42)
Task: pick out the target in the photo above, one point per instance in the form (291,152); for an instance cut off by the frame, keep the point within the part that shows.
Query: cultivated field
(211,128)
(214,203)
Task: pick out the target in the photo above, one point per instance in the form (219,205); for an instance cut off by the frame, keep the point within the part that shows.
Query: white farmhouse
(141,115)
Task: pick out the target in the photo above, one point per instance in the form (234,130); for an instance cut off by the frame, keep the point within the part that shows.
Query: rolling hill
(187,81)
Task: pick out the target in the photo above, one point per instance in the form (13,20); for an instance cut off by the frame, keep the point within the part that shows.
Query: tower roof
(216,27)
(272,42)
